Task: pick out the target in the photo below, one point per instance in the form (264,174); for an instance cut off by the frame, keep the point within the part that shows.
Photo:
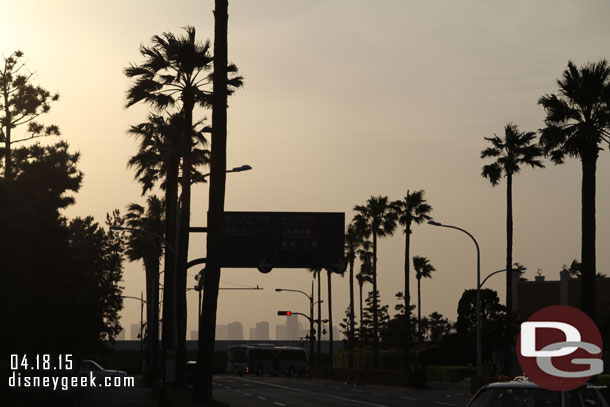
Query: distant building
(252,335)
(262,331)
(194,335)
(280,332)
(222,332)
(236,331)
(121,335)
(537,294)
(135,331)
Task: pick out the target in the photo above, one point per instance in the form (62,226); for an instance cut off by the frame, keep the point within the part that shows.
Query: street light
(310,318)
(479,337)
(241,168)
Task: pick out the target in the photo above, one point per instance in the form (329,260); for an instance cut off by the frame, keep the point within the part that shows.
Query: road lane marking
(279,404)
(261,398)
(445,404)
(247,394)
(409,398)
(317,394)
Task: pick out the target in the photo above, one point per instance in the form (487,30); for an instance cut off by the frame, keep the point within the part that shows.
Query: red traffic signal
(284,313)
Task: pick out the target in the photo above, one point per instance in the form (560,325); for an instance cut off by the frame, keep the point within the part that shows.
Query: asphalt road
(296,392)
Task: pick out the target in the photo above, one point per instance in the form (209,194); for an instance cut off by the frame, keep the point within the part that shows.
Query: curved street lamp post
(479,333)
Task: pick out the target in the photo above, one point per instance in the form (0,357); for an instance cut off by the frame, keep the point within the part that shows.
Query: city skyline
(324,131)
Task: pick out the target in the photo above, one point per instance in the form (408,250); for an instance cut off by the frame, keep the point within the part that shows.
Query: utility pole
(218,165)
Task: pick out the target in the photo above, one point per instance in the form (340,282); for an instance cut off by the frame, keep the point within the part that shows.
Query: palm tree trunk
(360,283)
(169,310)
(319,315)
(407,296)
(185,214)
(153,323)
(330,320)
(218,166)
(375,316)
(508,337)
(587,279)
(350,362)
(418,303)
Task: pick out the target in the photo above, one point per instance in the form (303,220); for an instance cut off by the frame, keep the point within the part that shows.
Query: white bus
(267,359)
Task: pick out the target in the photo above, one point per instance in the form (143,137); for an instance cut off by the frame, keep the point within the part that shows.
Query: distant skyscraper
(236,331)
(280,332)
(252,335)
(135,331)
(291,327)
(262,331)
(194,335)
(222,332)
(121,335)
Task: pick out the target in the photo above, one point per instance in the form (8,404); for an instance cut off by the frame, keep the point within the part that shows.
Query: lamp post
(311,332)
(479,332)
(142,302)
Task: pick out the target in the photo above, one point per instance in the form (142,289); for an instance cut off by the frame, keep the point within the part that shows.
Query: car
(91,367)
(523,393)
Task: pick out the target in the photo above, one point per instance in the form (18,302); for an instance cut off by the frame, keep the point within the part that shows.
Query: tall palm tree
(511,152)
(412,209)
(148,249)
(423,269)
(376,218)
(157,163)
(577,125)
(177,71)
(352,241)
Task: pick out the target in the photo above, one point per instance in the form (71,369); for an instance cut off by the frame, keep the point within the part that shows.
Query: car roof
(519,384)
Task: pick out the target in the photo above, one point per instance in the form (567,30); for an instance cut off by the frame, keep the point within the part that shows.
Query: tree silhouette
(577,125)
(512,151)
(149,249)
(438,326)
(353,240)
(178,71)
(423,269)
(365,275)
(413,208)
(378,219)
(21,103)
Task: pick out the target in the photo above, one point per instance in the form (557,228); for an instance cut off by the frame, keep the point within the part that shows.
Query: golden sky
(343,99)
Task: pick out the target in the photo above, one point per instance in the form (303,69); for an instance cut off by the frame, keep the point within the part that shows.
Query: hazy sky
(342,100)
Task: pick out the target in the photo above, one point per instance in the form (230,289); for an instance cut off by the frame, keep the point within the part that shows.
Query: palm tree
(177,71)
(578,124)
(378,219)
(148,249)
(413,208)
(157,162)
(512,151)
(423,269)
(352,242)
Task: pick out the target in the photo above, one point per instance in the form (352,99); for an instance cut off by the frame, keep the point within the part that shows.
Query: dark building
(540,293)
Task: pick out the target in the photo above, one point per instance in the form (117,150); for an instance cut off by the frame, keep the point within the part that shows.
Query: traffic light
(288,313)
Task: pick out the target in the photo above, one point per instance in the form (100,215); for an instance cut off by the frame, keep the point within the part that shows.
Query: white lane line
(317,394)
(279,404)
(409,398)
(261,398)
(445,404)
(247,394)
